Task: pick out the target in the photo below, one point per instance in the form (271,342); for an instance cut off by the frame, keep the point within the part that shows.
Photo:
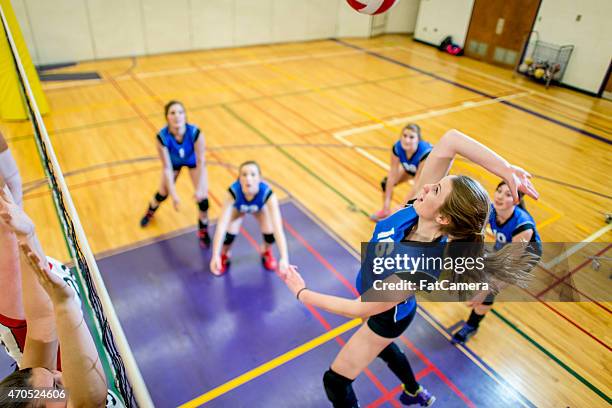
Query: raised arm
(41,339)
(453,142)
(9,172)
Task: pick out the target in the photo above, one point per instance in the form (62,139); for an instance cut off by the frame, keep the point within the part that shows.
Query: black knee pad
(489,300)
(203,205)
(229,238)
(160,198)
(392,353)
(383,184)
(339,390)
(268,238)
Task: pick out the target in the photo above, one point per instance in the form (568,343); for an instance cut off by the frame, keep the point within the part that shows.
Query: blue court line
(469,88)
(497,376)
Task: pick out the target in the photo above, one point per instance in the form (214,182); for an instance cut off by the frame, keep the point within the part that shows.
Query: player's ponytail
(467,209)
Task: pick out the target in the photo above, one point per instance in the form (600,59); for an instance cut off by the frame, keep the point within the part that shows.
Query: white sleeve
(10,174)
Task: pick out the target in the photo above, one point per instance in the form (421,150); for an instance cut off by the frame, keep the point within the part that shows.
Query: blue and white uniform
(394,229)
(245,206)
(181,154)
(520,221)
(411,164)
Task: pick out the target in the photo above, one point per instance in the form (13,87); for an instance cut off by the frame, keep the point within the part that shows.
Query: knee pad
(268,238)
(383,184)
(339,390)
(203,205)
(489,300)
(160,198)
(229,238)
(391,354)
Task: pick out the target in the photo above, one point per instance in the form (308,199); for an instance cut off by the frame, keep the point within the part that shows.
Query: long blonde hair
(467,209)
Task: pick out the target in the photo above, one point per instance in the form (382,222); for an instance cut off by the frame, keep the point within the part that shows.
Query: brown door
(498,29)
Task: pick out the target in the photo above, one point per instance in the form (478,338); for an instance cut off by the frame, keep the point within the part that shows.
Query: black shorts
(384,325)
(180,166)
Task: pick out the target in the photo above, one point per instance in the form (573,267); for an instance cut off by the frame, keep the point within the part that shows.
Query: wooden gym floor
(320,117)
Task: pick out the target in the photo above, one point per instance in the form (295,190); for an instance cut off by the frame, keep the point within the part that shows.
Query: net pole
(141,394)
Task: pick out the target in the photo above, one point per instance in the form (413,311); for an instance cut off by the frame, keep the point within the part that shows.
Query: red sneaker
(268,260)
(225,263)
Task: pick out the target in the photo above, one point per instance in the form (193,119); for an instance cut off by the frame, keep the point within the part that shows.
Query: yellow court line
(270,365)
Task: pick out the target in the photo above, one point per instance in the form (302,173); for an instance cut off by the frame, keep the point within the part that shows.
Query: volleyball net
(119,362)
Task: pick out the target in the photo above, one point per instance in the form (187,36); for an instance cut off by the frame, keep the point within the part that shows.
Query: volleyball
(372,7)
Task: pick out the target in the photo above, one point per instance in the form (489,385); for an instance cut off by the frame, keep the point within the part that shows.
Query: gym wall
(59,31)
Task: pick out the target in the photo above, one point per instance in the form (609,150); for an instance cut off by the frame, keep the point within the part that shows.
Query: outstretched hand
(57,289)
(13,216)
(293,279)
(517,180)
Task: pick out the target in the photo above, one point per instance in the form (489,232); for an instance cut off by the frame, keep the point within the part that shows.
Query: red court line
(320,258)
(439,373)
(398,389)
(570,273)
(435,369)
(574,288)
(377,383)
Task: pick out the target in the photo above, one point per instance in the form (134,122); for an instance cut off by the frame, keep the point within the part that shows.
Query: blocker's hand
(517,180)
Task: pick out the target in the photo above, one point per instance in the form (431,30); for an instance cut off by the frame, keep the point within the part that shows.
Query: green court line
(553,357)
(503,319)
(203,107)
(293,159)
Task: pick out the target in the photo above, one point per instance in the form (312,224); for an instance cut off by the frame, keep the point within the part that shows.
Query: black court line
(469,88)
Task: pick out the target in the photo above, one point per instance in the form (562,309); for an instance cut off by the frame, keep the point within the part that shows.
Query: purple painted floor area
(191,331)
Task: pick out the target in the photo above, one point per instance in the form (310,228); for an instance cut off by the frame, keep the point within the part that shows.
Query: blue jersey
(256,204)
(394,229)
(411,163)
(181,154)
(520,221)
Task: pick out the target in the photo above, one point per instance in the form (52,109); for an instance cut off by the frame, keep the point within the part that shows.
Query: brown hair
(415,128)
(521,195)
(467,208)
(170,104)
(249,162)
(19,379)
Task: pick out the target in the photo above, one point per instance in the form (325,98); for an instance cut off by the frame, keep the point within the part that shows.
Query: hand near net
(57,289)
(13,216)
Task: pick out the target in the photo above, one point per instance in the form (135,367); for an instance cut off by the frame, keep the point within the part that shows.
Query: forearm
(82,370)
(37,305)
(455,142)
(169,177)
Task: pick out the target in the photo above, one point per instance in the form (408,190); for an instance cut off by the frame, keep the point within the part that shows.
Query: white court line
(426,115)
(577,247)
(507,82)
(210,67)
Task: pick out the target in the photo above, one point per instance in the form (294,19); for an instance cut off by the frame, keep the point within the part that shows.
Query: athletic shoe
(147,218)
(421,397)
(204,238)
(225,264)
(268,260)
(464,334)
(379,215)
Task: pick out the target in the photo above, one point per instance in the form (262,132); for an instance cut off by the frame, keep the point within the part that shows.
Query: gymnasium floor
(320,117)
